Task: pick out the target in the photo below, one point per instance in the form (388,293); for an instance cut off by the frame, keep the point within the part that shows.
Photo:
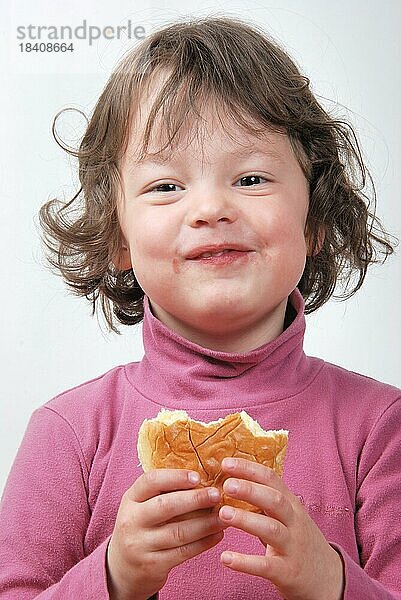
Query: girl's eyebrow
(164,159)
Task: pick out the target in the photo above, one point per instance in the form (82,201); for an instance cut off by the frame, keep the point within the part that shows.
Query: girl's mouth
(222,257)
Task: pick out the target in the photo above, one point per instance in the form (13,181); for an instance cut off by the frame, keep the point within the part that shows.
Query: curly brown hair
(256,82)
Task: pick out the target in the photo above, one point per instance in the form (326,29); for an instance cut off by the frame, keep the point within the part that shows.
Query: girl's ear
(122,261)
(321,234)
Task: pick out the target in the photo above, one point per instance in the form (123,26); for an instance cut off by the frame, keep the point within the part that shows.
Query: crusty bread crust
(173,440)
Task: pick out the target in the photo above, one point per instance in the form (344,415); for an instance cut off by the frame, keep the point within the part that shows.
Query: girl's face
(215,233)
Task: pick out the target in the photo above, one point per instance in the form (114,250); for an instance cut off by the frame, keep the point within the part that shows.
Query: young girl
(220,203)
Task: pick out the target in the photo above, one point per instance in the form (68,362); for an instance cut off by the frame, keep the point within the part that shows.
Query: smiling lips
(214,254)
(219,254)
(214,251)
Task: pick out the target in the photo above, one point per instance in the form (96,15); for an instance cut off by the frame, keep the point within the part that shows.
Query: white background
(351,51)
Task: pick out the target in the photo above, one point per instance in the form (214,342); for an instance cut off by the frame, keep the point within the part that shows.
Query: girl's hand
(147,543)
(298,559)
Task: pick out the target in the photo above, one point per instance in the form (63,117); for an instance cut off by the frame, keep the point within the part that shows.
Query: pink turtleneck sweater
(78,456)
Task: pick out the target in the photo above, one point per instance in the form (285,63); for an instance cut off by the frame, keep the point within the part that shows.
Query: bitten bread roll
(175,441)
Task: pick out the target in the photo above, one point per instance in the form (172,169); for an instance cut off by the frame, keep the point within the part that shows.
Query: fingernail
(193,477)
(227,512)
(227,558)
(231,486)
(229,463)
(214,494)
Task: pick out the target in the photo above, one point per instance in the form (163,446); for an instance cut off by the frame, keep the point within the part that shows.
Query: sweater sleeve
(44,515)
(378,514)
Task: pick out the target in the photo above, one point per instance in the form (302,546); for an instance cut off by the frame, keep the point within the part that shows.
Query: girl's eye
(165,187)
(250,180)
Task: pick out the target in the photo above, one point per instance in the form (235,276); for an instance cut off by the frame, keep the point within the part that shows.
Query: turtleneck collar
(177,373)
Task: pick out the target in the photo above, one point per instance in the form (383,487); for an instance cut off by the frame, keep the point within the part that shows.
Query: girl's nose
(209,209)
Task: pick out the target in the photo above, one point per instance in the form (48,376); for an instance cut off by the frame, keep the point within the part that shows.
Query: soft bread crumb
(170,416)
(256,429)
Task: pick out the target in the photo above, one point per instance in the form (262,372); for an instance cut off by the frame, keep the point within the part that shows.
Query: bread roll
(173,440)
